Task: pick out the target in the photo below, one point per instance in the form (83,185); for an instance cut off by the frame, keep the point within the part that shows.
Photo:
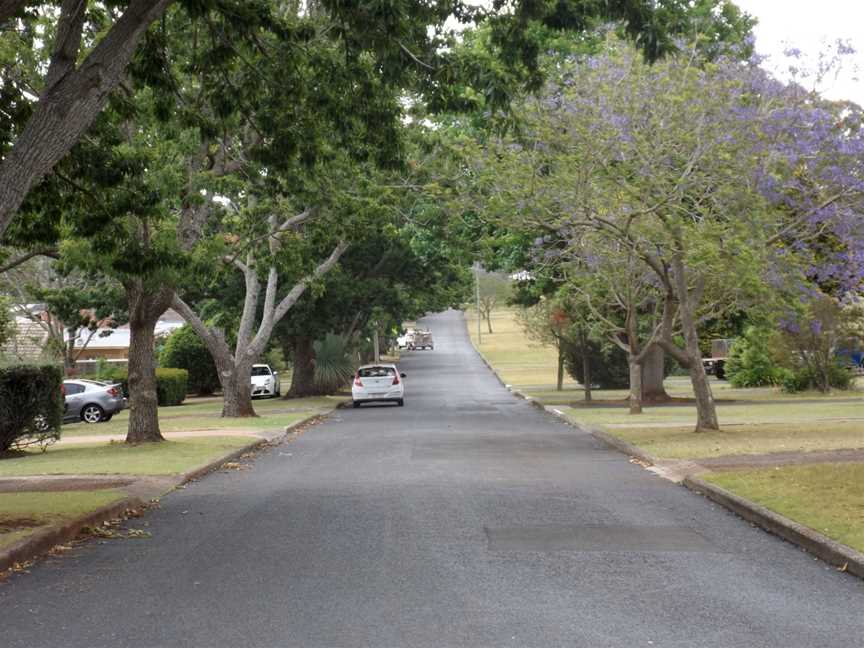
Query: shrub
(31,405)
(184,349)
(608,364)
(170,384)
(804,378)
(334,363)
(750,363)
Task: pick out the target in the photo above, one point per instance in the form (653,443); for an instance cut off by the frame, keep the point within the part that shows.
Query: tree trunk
(69,356)
(706,410)
(653,373)
(489,320)
(303,374)
(560,382)
(635,385)
(145,307)
(586,374)
(237,391)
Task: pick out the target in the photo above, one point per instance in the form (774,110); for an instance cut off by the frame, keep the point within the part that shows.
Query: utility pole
(477,296)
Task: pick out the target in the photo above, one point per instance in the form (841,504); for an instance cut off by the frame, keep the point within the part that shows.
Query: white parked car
(378,383)
(265,381)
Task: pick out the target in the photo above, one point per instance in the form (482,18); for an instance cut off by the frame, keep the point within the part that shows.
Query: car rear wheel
(400,402)
(92,414)
(356,404)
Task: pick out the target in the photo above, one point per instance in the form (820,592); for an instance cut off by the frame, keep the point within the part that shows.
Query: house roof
(119,338)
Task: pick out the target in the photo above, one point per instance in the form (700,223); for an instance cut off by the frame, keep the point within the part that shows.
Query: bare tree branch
(17,261)
(67,42)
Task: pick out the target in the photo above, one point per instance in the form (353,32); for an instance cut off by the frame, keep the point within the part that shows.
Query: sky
(808,25)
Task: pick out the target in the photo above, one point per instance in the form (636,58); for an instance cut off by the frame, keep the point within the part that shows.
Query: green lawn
(730,414)
(531,368)
(168,457)
(205,414)
(517,359)
(828,498)
(683,443)
(24,513)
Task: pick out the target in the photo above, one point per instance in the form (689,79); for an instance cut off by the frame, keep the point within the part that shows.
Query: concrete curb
(834,553)
(623,446)
(41,542)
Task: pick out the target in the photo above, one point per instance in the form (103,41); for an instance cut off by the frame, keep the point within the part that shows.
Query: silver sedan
(91,401)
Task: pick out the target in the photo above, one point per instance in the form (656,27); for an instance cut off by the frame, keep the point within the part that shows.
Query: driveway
(466,518)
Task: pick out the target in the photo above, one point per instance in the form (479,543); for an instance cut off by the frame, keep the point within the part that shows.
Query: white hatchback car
(378,383)
(265,381)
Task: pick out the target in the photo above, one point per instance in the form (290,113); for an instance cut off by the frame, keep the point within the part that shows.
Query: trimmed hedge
(31,405)
(170,384)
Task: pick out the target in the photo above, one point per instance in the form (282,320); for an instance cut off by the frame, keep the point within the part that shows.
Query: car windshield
(260,371)
(376,372)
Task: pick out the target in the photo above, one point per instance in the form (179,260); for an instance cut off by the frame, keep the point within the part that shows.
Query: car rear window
(376,372)
(260,371)
(73,388)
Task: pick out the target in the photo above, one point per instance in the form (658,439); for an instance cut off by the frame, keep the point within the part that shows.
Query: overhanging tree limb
(17,261)
(68,106)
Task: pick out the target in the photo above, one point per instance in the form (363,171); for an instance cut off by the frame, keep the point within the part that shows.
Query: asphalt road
(466,518)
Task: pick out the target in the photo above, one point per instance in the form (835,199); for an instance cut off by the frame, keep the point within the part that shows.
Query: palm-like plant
(334,363)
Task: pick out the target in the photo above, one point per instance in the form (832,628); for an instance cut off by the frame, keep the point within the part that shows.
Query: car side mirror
(403,375)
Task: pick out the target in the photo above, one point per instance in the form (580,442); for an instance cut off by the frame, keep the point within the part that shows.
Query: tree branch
(67,42)
(14,263)
(291,298)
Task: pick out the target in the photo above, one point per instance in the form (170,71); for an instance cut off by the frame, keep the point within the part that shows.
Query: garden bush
(804,378)
(31,405)
(184,350)
(171,384)
(750,362)
(608,364)
(334,363)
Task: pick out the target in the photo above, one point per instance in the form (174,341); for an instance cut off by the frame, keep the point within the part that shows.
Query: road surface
(466,518)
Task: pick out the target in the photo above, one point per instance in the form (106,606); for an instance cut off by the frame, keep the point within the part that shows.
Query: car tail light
(357,381)
(62,389)
(113,392)
(396,379)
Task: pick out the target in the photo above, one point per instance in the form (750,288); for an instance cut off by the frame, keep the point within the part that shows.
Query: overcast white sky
(808,25)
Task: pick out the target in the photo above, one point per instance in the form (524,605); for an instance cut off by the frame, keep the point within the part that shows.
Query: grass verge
(828,498)
(165,458)
(22,514)
(683,443)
